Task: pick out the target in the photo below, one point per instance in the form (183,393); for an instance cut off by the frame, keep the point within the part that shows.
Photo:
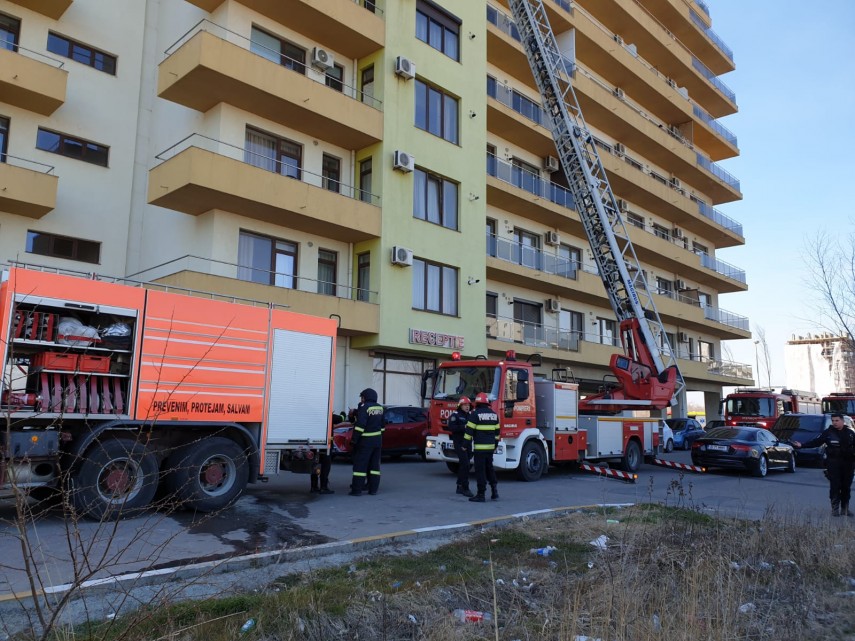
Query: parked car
(686,431)
(716,422)
(741,447)
(406,432)
(803,428)
(666,437)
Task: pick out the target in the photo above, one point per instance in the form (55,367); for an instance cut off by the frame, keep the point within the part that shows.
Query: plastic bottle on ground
(471,616)
(543,551)
(246,627)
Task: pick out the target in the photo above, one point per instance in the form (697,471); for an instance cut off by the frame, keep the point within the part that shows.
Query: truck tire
(209,474)
(532,462)
(631,460)
(117,478)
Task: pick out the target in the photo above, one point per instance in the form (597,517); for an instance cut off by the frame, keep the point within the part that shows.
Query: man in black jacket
(482,431)
(457,426)
(839,440)
(366,443)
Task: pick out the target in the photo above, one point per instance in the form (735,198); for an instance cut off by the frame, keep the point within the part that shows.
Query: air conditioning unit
(619,93)
(680,285)
(677,232)
(675,182)
(550,163)
(622,205)
(322,59)
(620,149)
(402,256)
(671,83)
(405,68)
(618,39)
(553,305)
(552,238)
(404,161)
(683,337)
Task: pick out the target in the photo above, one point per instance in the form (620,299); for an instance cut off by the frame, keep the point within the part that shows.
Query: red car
(406,432)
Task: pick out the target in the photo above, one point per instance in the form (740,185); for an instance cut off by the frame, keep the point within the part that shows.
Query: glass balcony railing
(519,253)
(717,217)
(725,317)
(717,171)
(370,5)
(715,125)
(714,80)
(529,181)
(721,267)
(712,35)
(703,6)
(535,334)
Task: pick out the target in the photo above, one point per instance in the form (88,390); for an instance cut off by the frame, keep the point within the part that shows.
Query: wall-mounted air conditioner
(552,238)
(404,161)
(550,164)
(402,256)
(619,93)
(322,59)
(619,148)
(553,305)
(683,337)
(405,68)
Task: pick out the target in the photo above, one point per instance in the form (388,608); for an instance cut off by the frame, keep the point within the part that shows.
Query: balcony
(50,8)
(713,137)
(201,174)
(32,81)
(354,29)
(210,65)
(27,188)
(358,310)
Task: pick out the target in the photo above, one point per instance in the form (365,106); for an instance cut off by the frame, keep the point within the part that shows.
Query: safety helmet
(481,397)
(464,400)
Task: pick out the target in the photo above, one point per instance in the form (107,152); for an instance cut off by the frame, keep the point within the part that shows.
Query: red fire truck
(840,403)
(761,406)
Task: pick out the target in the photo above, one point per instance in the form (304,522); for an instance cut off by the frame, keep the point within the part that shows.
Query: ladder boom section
(598,209)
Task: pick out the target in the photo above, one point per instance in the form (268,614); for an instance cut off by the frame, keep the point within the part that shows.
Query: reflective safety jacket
(370,425)
(483,429)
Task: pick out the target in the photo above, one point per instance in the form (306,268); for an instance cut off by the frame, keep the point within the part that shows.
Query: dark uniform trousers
(840,471)
(482,431)
(368,444)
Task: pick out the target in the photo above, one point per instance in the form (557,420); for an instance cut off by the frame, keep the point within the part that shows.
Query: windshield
(733,433)
(454,382)
(839,406)
(748,406)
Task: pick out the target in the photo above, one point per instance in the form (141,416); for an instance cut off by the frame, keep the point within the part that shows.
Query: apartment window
(700,249)
(79,52)
(672,341)
(530,317)
(266,260)
(363,276)
(365,180)
(10,32)
(434,287)
(492,304)
(569,260)
(86,251)
(664,287)
(634,219)
(331,168)
(704,299)
(335,78)
(4,138)
(527,249)
(277,50)
(366,83)
(438,29)
(327,270)
(526,176)
(692,355)
(661,232)
(492,164)
(435,199)
(436,112)
(570,329)
(607,331)
(492,239)
(72,147)
(273,154)
(706,351)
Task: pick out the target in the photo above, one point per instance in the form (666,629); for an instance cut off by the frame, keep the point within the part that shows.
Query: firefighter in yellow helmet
(457,427)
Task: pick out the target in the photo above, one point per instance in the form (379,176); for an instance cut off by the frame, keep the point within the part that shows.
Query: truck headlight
(430,443)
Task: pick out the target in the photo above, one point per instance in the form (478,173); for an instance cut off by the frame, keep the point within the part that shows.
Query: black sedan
(744,448)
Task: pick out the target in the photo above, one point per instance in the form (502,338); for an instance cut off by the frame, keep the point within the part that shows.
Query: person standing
(482,430)
(366,443)
(839,440)
(457,426)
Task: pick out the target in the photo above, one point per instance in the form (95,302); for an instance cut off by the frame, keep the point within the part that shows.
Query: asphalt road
(413,494)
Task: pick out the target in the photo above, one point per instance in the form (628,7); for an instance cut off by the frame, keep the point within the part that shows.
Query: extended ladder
(613,251)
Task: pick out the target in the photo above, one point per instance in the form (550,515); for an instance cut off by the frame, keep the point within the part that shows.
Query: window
(335,78)
(664,287)
(273,154)
(84,54)
(365,180)
(527,249)
(327,270)
(434,199)
(10,32)
(706,350)
(279,51)
(86,251)
(438,29)
(269,261)
(570,326)
(492,304)
(434,287)
(526,176)
(492,240)
(367,85)
(398,379)
(699,249)
(661,232)
(529,316)
(363,276)
(704,299)
(4,138)
(72,147)
(331,168)
(635,219)
(607,331)
(569,260)
(492,164)
(436,112)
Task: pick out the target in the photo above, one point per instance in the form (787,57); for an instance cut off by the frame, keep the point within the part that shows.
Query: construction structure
(823,362)
(309,154)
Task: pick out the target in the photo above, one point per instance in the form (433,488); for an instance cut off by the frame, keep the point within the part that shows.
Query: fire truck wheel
(631,460)
(532,462)
(116,479)
(210,474)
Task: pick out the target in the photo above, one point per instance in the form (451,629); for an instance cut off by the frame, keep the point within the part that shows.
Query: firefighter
(482,431)
(457,426)
(366,443)
(839,440)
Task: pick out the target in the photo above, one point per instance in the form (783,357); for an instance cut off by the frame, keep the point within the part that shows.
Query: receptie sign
(435,339)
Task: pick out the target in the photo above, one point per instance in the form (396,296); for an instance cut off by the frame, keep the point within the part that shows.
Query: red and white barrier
(605,471)
(678,466)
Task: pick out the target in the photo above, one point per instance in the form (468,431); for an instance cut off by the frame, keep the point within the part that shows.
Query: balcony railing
(529,181)
(722,267)
(717,171)
(703,6)
(269,163)
(506,24)
(715,125)
(25,163)
(507,329)
(712,35)
(714,80)
(223,269)
(533,257)
(261,51)
(371,5)
(716,216)
(9,44)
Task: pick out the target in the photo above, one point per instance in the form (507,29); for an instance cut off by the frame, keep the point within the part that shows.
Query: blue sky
(795,88)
